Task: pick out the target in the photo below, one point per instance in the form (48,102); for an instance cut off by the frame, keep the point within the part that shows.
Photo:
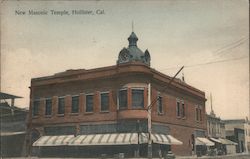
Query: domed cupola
(133,53)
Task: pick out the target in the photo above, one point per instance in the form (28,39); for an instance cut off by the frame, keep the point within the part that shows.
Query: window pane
(61,105)
(138,98)
(123,99)
(104,101)
(75,104)
(48,107)
(159,104)
(197,114)
(89,103)
(183,110)
(178,112)
(35,108)
(200,115)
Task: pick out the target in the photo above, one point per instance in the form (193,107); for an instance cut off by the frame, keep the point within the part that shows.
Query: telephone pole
(149,112)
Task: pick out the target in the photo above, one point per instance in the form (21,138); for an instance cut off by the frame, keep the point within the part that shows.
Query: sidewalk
(232,156)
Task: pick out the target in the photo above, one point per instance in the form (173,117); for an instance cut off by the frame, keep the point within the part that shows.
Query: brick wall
(130,77)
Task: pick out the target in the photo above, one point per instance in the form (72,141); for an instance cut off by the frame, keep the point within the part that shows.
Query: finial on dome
(132,39)
(132,26)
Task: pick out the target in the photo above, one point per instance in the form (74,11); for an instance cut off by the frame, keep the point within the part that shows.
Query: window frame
(108,101)
(159,103)
(183,109)
(119,99)
(198,113)
(58,105)
(178,108)
(48,108)
(78,104)
(86,103)
(143,103)
(35,107)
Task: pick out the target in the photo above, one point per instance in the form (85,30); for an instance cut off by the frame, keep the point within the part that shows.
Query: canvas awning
(227,142)
(160,139)
(203,141)
(12,133)
(53,140)
(215,140)
(105,139)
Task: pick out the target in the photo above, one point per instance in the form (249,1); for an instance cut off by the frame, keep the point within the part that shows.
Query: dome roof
(133,53)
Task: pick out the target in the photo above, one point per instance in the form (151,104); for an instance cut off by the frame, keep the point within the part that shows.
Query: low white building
(238,131)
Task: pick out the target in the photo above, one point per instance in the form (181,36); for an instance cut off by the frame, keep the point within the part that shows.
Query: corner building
(104,111)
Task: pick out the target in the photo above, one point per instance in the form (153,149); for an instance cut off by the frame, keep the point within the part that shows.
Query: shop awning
(215,140)
(105,139)
(53,140)
(203,141)
(227,142)
(12,133)
(159,139)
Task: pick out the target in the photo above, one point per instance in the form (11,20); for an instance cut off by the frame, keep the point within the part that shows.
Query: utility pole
(149,112)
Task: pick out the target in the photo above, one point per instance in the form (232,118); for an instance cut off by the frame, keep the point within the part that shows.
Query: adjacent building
(104,111)
(237,130)
(216,133)
(12,127)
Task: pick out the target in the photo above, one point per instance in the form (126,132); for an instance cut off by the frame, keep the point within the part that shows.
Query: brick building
(104,110)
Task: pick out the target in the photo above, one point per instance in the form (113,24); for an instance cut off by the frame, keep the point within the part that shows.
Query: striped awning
(53,140)
(105,139)
(203,141)
(215,140)
(159,139)
(227,142)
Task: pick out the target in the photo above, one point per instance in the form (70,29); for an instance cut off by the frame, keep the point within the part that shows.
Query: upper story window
(75,104)
(104,101)
(123,99)
(48,107)
(61,105)
(180,108)
(35,108)
(89,102)
(159,104)
(198,113)
(137,98)
(183,111)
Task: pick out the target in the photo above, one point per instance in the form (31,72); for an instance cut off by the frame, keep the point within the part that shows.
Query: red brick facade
(112,79)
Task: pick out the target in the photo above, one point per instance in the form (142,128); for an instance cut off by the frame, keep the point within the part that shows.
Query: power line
(212,62)
(208,63)
(226,47)
(220,53)
(223,52)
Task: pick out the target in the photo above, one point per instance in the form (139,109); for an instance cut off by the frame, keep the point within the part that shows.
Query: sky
(209,38)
